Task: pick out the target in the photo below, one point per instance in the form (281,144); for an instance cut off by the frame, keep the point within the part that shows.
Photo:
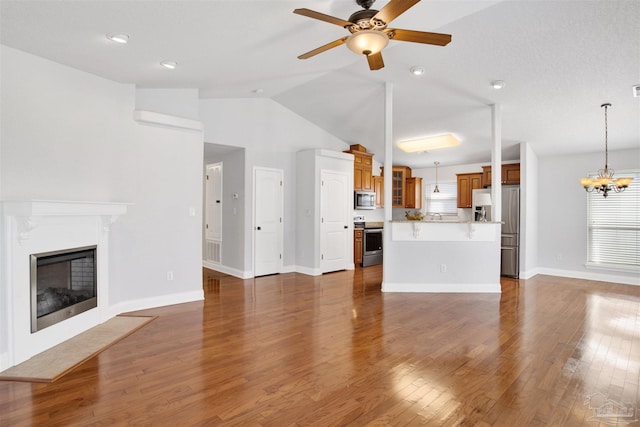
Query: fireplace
(51,232)
(63,284)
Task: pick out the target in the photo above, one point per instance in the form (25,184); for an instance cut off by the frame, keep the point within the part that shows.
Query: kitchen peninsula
(442,256)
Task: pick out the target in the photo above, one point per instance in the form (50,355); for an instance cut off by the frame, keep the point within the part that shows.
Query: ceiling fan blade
(393,9)
(419,36)
(375,61)
(322,48)
(322,17)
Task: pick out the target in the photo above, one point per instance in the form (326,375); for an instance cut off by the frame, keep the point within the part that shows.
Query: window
(444,202)
(614,226)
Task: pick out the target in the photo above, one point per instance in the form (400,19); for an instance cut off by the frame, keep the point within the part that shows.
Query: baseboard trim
(492,288)
(289,269)
(308,271)
(159,301)
(228,270)
(586,275)
(528,274)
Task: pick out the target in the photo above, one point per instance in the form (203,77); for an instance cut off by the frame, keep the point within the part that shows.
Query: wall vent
(212,251)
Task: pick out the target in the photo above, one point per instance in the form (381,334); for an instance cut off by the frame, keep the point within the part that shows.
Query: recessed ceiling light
(636,91)
(169,64)
(429,143)
(118,37)
(417,71)
(498,84)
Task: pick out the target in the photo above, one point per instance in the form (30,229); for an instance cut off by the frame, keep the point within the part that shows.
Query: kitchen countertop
(374,224)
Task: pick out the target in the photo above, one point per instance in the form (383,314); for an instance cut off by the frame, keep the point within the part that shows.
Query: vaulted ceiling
(560,60)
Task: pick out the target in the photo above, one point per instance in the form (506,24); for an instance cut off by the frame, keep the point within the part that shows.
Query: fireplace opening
(63,284)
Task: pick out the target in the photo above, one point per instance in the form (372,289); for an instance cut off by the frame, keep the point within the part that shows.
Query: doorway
(335,219)
(268,207)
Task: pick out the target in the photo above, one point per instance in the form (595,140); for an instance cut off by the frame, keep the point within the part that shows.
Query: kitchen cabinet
(362,168)
(358,239)
(378,187)
(467,182)
(413,193)
(510,174)
(399,175)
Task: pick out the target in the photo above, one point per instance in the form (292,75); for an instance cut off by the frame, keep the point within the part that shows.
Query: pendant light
(604,182)
(436,190)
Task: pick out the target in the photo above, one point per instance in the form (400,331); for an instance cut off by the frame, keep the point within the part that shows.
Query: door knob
(346,226)
(258,228)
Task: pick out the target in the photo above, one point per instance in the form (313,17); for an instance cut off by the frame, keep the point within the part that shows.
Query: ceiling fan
(369,31)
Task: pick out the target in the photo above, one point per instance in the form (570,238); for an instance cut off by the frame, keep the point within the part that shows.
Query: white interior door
(268,217)
(213,214)
(334,228)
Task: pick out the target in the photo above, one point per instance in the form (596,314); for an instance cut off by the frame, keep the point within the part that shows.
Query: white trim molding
(153,118)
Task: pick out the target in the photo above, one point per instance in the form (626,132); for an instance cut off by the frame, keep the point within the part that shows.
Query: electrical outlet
(169,275)
(443,268)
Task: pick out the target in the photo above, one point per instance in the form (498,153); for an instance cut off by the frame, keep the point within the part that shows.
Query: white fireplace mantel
(37,226)
(58,207)
(25,212)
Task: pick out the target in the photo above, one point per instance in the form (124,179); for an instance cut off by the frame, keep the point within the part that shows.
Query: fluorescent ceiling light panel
(429,143)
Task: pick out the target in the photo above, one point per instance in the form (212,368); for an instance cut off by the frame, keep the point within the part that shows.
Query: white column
(496,163)
(388,163)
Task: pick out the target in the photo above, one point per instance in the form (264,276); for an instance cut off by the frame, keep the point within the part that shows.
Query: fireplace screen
(63,284)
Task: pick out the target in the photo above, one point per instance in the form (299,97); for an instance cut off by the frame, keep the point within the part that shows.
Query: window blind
(614,226)
(444,202)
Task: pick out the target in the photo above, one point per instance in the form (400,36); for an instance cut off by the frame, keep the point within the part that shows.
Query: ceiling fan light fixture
(367,42)
(429,143)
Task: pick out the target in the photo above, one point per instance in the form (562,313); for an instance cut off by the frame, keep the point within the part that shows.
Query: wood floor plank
(333,350)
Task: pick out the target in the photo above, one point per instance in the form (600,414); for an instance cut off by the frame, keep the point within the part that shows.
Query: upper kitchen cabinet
(399,176)
(467,182)
(510,174)
(362,168)
(413,193)
(378,187)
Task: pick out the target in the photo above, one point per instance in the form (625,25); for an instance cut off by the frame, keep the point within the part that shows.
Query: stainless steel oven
(372,247)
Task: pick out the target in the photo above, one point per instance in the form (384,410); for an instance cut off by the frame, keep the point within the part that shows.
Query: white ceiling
(560,60)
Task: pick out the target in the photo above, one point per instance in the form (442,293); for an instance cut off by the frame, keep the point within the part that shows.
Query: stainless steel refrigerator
(510,253)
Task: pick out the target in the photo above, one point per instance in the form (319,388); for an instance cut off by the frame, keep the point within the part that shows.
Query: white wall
(416,266)
(562,213)
(69,135)
(271,135)
(446,173)
(175,102)
(310,164)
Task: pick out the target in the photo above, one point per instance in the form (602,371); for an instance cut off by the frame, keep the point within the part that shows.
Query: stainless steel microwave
(364,200)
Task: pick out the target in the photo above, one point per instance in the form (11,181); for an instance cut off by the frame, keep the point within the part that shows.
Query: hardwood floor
(293,350)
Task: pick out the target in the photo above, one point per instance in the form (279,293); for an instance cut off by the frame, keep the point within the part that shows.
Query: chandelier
(604,182)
